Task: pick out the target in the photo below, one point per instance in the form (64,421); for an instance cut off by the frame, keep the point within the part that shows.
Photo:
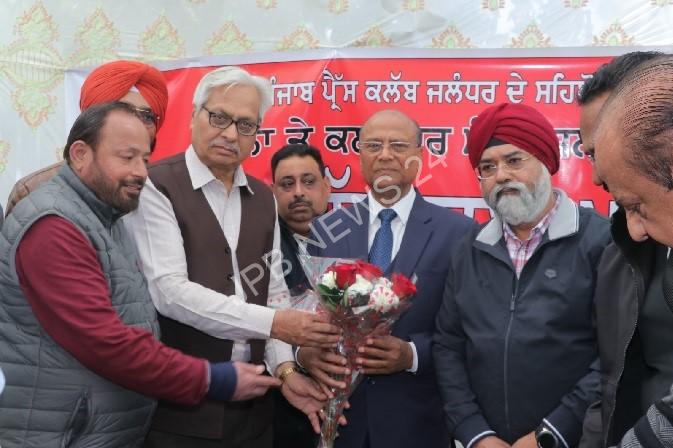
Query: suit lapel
(416,236)
(357,239)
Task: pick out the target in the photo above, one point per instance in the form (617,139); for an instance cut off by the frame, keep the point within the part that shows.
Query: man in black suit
(397,405)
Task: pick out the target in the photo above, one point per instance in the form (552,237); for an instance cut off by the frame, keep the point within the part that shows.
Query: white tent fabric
(40,40)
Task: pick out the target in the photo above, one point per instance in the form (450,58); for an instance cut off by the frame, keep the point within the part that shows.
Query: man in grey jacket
(515,344)
(634,157)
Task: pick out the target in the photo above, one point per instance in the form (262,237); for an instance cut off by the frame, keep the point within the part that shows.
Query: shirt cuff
(223,381)
(263,318)
(414,363)
(296,358)
(276,353)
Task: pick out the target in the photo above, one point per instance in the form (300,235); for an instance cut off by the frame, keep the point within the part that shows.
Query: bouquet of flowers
(361,301)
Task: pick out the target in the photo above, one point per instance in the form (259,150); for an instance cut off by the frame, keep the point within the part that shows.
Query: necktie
(668,281)
(382,247)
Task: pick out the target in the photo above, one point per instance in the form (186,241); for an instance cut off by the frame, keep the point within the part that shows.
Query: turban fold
(518,125)
(111,81)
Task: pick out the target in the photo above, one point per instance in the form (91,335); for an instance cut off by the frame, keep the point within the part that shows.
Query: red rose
(345,274)
(402,286)
(368,271)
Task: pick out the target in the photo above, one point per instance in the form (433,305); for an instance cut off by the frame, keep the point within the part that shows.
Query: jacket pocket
(77,422)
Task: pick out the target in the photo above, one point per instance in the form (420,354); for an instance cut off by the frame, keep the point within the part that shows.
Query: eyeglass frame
(388,144)
(144,113)
(211,114)
(505,165)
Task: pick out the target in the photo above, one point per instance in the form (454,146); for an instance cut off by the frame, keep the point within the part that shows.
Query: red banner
(324,103)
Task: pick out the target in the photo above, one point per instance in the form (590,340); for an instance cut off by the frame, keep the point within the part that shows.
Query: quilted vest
(51,400)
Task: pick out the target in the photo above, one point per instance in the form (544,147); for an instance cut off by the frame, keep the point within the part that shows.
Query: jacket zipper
(512,307)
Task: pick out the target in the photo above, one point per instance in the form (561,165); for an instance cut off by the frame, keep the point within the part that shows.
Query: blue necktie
(382,247)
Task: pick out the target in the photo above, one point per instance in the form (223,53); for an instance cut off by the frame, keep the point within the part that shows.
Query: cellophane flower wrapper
(362,302)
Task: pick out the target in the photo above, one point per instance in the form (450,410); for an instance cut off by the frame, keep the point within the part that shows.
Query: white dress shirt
(398,225)
(162,256)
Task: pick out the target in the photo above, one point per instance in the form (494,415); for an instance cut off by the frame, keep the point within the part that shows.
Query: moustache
(499,189)
(298,202)
(227,145)
(140,183)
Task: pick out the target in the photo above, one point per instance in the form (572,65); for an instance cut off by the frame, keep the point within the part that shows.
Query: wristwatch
(287,371)
(546,438)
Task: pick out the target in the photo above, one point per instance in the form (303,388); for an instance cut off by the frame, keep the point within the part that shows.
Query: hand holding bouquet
(362,302)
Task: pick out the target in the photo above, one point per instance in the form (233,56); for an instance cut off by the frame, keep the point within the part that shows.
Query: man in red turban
(518,125)
(132,82)
(135,83)
(515,343)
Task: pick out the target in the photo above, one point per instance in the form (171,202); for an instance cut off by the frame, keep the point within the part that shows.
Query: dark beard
(113,195)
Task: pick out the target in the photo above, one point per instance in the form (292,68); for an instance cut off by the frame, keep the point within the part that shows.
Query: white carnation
(382,298)
(361,287)
(328,279)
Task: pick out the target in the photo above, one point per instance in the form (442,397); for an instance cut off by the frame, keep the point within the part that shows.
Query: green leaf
(330,296)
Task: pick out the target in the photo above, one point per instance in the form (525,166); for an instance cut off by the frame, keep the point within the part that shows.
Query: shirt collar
(201,175)
(401,207)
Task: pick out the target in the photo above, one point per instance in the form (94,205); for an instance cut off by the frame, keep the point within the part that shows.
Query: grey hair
(645,98)
(231,76)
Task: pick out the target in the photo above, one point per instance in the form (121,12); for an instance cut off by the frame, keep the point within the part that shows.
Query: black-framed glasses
(486,170)
(221,120)
(147,116)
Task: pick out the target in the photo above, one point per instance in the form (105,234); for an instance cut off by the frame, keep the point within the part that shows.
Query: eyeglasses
(147,116)
(487,170)
(223,121)
(374,147)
